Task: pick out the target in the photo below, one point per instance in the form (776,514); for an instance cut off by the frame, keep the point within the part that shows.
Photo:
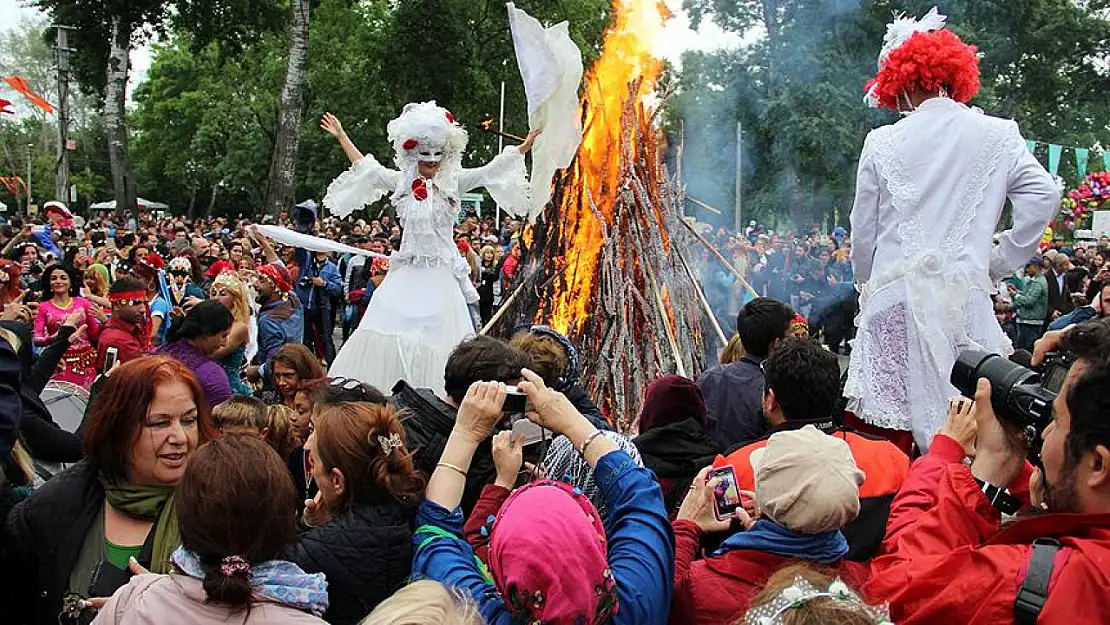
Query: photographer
(317,284)
(946,561)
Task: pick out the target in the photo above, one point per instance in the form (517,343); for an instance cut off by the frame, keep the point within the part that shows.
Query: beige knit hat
(807,481)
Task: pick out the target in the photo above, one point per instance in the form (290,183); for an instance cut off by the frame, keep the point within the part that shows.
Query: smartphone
(110,356)
(726,494)
(515,401)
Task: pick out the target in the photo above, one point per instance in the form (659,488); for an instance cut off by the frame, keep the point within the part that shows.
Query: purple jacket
(211,374)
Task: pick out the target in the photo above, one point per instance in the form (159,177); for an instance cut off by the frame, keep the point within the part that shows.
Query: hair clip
(389,443)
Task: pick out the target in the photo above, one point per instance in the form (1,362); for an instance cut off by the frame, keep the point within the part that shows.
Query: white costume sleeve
(1035,198)
(865,215)
(505,178)
(365,182)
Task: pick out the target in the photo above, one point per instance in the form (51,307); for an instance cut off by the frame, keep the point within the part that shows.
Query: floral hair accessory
(389,443)
(410,144)
(235,565)
(801,592)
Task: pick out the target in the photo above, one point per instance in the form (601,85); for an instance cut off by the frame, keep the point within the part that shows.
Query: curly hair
(930,62)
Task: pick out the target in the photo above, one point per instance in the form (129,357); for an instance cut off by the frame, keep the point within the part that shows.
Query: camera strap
(1033,593)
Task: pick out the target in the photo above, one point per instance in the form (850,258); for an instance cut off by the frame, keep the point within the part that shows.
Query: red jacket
(945,559)
(127,338)
(719,590)
(488,505)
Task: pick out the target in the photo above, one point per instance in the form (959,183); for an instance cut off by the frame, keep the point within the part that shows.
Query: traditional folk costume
(929,193)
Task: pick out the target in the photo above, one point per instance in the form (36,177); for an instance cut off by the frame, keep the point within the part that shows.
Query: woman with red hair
(929,193)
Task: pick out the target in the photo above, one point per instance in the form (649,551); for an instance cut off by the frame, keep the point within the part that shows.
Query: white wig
(426,132)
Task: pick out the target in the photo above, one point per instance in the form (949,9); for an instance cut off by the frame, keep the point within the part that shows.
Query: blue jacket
(313,297)
(734,402)
(279,322)
(1079,315)
(641,547)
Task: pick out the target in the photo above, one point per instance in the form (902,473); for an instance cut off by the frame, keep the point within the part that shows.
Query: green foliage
(799,91)
(205,118)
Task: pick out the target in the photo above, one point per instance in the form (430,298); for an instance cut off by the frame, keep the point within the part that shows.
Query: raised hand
(330,124)
(74,317)
(480,410)
(508,454)
(526,147)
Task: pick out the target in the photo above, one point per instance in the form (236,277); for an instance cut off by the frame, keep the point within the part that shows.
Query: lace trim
(903,193)
(878,370)
(353,189)
(974,186)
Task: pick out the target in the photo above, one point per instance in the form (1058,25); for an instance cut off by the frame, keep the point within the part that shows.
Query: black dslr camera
(1019,395)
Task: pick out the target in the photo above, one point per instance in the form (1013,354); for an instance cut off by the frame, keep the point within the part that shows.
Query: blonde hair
(101,280)
(12,339)
(280,433)
(482,254)
(240,413)
(733,351)
(425,603)
(240,306)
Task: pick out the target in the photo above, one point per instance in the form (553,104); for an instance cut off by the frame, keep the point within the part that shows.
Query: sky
(678,36)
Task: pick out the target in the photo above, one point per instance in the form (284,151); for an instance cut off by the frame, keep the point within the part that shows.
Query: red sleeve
(92,323)
(40,336)
(687,540)
(918,491)
(939,509)
(488,504)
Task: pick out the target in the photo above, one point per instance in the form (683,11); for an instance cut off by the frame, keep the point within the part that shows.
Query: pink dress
(78,365)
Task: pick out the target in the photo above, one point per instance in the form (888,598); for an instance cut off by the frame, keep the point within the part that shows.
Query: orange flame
(626,60)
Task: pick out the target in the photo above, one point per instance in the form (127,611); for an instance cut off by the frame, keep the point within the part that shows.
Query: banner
(1081,156)
(19,83)
(1054,152)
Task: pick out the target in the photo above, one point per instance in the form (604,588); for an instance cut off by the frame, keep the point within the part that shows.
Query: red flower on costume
(450,118)
(410,144)
(930,61)
(419,189)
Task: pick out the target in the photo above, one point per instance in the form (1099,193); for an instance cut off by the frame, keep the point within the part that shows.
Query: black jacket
(366,554)
(676,452)
(428,422)
(586,406)
(43,537)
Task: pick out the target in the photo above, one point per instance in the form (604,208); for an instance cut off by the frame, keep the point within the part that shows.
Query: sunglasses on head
(347,384)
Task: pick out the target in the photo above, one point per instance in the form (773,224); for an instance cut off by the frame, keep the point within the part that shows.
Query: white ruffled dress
(929,193)
(419,312)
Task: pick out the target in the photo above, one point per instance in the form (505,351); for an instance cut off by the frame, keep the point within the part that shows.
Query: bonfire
(610,264)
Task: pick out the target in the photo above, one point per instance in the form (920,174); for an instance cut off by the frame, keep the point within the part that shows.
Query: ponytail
(229,582)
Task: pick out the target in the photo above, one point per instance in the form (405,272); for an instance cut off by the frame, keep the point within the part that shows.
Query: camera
(305,283)
(1019,395)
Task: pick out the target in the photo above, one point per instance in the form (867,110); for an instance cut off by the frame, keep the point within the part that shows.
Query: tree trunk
(212,200)
(283,164)
(115,93)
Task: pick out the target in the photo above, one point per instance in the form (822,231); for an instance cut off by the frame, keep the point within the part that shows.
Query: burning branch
(487,126)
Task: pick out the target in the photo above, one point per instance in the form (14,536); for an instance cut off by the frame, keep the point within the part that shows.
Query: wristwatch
(999,497)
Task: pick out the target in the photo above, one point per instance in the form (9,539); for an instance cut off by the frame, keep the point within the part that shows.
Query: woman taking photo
(488,283)
(61,288)
(228,290)
(196,340)
(95,287)
(72,540)
(229,567)
(361,517)
(596,575)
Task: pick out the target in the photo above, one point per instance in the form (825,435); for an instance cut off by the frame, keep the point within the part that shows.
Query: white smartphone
(110,356)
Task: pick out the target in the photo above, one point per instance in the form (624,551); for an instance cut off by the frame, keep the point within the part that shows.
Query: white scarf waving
(285,236)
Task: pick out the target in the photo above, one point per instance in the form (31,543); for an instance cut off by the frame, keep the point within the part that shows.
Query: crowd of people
(220,473)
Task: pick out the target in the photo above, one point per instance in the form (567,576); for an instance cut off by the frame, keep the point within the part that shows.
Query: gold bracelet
(455,468)
(590,439)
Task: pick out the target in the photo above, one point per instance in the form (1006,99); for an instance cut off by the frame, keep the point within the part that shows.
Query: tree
(283,166)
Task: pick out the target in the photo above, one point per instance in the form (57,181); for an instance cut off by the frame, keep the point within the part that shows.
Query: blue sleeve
(195,291)
(332,282)
(269,340)
(1079,315)
(440,552)
(641,540)
(300,256)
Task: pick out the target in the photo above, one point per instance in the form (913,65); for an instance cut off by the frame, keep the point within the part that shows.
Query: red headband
(275,274)
(127,295)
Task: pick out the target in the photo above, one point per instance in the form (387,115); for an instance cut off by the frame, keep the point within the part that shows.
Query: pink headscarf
(547,555)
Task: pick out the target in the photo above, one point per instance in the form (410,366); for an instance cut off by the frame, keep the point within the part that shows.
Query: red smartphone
(726,494)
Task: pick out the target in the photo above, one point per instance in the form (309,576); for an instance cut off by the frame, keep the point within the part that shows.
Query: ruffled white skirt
(414,320)
(912,326)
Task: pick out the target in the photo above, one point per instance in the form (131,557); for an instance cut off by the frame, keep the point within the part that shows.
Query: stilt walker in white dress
(419,313)
(929,194)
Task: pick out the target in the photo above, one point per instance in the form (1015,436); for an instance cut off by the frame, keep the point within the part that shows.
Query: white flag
(551,66)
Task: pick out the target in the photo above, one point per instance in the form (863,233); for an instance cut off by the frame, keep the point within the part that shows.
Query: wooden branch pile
(645,316)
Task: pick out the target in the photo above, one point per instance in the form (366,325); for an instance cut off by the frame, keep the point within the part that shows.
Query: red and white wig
(922,55)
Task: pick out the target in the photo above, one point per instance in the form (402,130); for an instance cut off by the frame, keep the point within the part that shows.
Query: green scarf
(149,503)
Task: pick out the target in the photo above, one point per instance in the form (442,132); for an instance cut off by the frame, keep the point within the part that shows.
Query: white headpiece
(801,591)
(899,32)
(180,263)
(426,132)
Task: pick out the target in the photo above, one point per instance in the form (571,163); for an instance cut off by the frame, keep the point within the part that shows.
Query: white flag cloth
(551,66)
(285,236)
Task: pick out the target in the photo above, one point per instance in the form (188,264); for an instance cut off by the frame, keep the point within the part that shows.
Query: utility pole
(61,60)
(500,147)
(29,194)
(739,225)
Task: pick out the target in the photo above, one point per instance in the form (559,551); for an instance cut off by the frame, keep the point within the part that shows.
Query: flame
(486,123)
(626,62)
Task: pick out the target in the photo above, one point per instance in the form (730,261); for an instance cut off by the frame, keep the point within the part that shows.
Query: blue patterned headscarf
(275,580)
